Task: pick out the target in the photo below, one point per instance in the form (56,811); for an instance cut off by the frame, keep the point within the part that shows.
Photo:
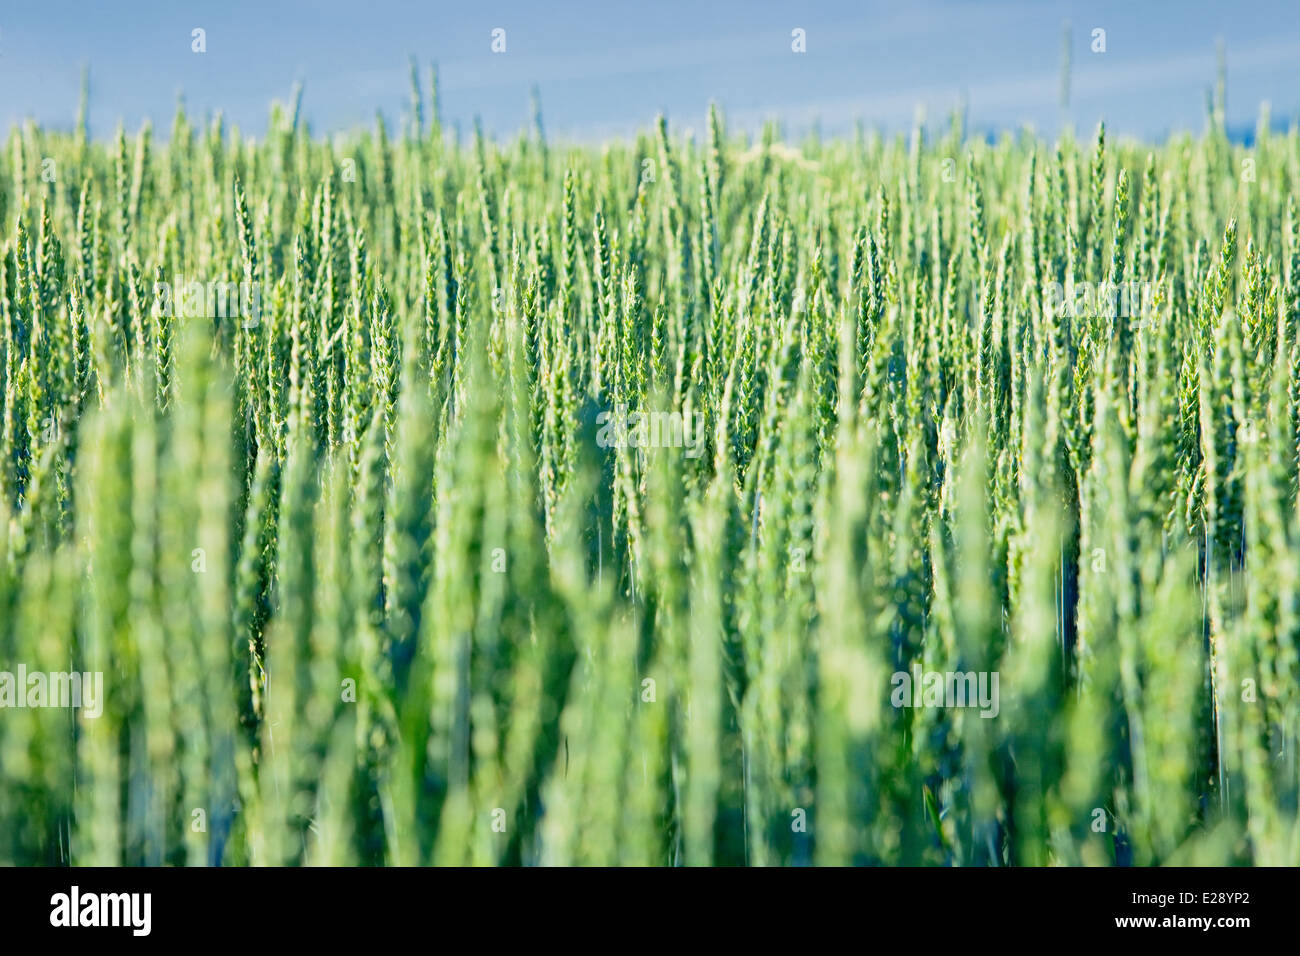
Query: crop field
(408,498)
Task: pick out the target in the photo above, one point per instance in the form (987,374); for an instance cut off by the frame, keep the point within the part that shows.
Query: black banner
(333,907)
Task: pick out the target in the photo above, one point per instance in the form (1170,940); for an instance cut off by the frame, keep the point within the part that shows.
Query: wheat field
(432,502)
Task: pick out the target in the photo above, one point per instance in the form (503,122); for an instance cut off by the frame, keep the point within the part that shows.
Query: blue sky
(607,68)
